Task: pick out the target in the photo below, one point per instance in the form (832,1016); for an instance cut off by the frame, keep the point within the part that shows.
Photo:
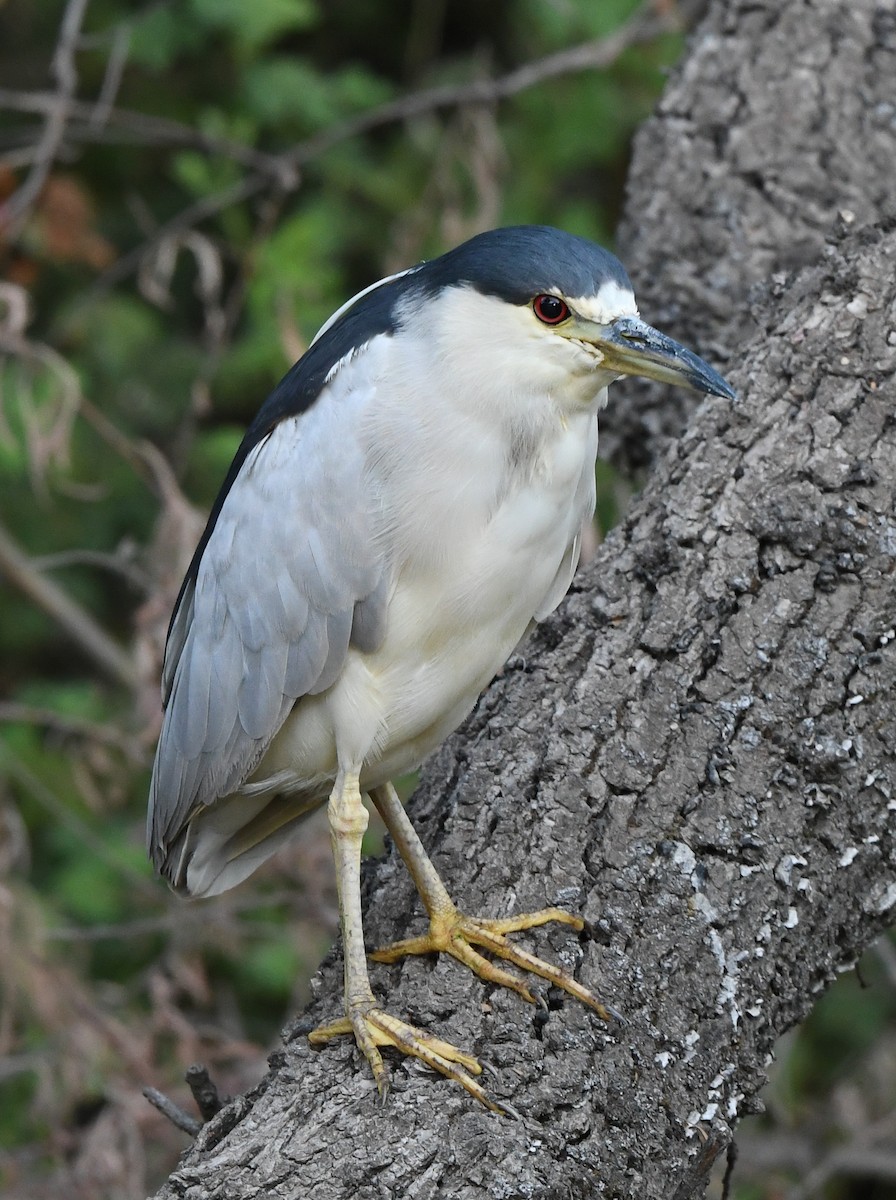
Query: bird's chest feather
(485,515)
(476,556)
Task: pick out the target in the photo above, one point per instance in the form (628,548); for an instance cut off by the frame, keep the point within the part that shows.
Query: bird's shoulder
(355,330)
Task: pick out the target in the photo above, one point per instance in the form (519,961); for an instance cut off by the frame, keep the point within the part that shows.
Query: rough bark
(781,120)
(697,753)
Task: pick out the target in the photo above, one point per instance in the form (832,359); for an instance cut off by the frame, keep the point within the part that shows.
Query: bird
(407,504)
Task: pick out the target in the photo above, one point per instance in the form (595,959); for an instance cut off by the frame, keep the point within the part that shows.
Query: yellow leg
(370,1025)
(456,934)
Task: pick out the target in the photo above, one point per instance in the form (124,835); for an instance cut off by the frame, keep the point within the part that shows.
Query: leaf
(162,35)
(287,90)
(254,24)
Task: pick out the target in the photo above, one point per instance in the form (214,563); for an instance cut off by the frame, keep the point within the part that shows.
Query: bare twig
(193,214)
(222,315)
(68,726)
(63,68)
(77,623)
(117,564)
(48,439)
(115,64)
(179,917)
(117,930)
(205,1091)
(863,1162)
(644,26)
(99,121)
(172,1111)
(868,1153)
(884,951)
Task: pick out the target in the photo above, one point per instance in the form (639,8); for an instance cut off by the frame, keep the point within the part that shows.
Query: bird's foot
(456,934)
(373,1028)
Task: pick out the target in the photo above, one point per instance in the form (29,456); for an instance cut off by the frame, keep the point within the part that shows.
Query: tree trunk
(697,752)
(781,120)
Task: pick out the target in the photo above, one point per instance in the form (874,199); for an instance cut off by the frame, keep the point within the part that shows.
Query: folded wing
(289,575)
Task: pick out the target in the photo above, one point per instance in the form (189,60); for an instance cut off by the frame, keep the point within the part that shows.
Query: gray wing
(289,576)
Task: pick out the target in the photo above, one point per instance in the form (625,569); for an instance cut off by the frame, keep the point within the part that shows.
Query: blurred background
(188,188)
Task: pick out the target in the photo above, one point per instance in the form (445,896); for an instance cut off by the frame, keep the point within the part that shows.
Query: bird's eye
(550,309)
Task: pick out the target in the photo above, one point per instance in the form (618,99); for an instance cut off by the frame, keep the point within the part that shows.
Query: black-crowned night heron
(407,502)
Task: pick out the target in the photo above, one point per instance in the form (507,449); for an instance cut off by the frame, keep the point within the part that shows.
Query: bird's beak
(631,347)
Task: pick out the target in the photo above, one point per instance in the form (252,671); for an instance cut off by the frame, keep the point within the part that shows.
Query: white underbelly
(457,611)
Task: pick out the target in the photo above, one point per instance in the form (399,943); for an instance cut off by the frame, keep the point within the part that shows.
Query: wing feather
(267,614)
(339,629)
(305,660)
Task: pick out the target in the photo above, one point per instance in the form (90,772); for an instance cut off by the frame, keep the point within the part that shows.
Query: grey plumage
(267,618)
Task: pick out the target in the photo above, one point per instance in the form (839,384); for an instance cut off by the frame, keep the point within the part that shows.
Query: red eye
(550,309)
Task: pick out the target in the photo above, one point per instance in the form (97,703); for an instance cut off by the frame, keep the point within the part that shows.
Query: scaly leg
(451,931)
(371,1026)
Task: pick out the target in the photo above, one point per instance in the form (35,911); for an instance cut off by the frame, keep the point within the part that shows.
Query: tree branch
(66,725)
(99,121)
(90,637)
(645,26)
(752,155)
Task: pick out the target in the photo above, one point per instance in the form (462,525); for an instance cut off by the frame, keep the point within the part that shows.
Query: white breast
(481,541)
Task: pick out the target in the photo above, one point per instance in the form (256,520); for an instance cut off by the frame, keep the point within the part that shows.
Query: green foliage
(252,26)
(160,36)
(291,95)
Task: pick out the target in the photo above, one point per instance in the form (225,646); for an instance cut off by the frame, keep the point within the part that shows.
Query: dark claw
(489,1069)
(594,933)
(508,1110)
(539,1000)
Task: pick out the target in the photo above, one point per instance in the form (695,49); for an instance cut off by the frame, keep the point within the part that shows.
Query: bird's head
(534,303)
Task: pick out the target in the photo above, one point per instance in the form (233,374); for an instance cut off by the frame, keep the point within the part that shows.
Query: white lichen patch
(690,1040)
(729,968)
(785,866)
(882,899)
(683,856)
(860,305)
